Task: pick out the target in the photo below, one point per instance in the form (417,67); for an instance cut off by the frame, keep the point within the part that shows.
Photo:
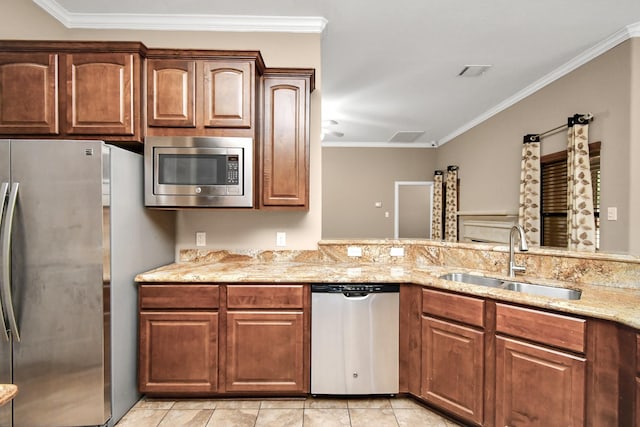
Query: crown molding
(613,40)
(183,22)
(346,144)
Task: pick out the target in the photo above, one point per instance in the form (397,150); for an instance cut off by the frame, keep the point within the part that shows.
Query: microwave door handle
(6,259)
(6,262)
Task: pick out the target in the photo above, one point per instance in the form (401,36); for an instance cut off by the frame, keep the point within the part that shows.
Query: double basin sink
(527,288)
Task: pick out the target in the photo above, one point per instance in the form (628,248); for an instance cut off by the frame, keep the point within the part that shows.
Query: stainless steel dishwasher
(354,338)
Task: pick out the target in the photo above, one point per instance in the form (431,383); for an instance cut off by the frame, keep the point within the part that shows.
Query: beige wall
(489,154)
(22,19)
(354,179)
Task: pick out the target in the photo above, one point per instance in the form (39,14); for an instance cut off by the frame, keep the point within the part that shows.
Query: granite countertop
(7,392)
(616,304)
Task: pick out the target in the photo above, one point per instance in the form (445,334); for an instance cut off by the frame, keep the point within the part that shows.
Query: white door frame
(396,201)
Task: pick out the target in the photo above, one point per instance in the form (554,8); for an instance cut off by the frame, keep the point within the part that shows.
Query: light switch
(612,214)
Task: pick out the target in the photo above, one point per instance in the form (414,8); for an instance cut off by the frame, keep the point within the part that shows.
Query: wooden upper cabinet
(285,140)
(171,86)
(202,92)
(29,93)
(67,89)
(100,93)
(227,94)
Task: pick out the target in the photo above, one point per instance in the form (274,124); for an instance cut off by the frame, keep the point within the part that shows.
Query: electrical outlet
(201,238)
(354,251)
(281,238)
(612,214)
(396,252)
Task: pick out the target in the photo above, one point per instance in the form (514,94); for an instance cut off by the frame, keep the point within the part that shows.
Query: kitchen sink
(546,291)
(526,288)
(473,279)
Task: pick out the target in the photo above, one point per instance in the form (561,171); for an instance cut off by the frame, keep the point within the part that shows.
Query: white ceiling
(393,66)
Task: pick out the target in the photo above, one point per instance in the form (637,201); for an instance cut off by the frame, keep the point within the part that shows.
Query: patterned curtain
(436,215)
(451,208)
(529,212)
(581,227)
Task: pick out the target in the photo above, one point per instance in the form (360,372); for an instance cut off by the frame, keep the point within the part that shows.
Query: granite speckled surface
(610,285)
(7,392)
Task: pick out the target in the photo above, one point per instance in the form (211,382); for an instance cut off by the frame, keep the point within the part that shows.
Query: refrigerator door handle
(6,259)
(4,188)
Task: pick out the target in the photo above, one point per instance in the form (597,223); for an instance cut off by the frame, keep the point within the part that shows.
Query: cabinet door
(285,156)
(453,367)
(637,410)
(228,87)
(265,351)
(99,96)
(171,93)
(178,352)
(536,386)
(29,93)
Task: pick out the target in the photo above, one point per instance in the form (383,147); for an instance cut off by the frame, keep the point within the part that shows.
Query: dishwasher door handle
(356,295)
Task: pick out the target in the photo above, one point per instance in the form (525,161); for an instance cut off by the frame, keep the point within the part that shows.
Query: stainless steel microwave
(198,172)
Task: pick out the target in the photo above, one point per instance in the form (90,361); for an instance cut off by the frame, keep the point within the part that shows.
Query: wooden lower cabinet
(178,352)
(206,339)
(538,386)
(453,367)
(637,408)
(265,352)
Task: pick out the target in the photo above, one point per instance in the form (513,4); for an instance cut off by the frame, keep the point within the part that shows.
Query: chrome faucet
(519,232)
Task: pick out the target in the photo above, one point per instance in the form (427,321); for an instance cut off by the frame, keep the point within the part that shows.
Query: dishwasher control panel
(366,288)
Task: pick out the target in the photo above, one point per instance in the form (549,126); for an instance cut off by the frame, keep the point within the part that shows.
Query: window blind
(553,196)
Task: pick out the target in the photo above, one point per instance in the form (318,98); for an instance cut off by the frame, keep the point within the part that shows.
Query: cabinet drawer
(179,296)
(455,307)
(546,328)
(265,296)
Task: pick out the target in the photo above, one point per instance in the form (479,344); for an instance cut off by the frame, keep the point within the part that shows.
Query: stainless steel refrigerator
(73,235)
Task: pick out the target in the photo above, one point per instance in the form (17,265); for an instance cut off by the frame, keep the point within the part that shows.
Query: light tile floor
(310,412)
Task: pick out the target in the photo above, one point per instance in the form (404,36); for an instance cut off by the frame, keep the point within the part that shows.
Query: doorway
(413,201)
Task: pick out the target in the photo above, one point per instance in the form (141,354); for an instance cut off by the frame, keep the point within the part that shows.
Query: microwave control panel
(233,170)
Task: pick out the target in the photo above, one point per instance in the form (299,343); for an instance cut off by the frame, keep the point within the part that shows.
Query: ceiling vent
(473,70)
(406,136)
